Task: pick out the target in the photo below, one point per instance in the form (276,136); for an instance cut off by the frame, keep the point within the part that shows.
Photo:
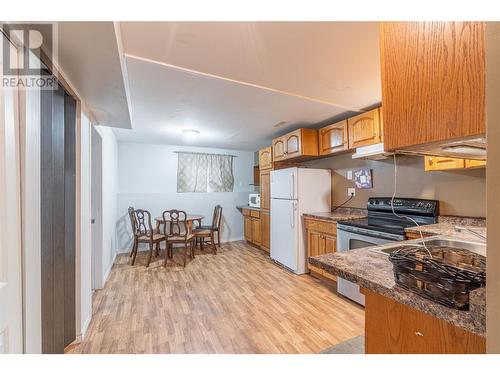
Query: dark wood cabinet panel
(433,81)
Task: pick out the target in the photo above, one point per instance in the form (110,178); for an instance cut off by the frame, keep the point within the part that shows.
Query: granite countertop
(373,271)
(246,206)
(342,213)
(445,227)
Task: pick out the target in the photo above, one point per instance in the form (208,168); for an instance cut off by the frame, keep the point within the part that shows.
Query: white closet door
(11,340)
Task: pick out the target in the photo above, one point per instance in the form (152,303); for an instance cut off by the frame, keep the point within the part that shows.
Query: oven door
(346,241)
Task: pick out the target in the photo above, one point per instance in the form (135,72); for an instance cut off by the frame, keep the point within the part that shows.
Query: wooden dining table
(189,221)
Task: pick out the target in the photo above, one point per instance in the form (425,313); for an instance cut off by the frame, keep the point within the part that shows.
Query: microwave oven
(254,200)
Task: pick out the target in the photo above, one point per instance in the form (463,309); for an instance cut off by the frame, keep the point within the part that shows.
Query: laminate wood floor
(237,301)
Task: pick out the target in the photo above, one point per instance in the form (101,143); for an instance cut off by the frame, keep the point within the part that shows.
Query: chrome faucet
(473,232)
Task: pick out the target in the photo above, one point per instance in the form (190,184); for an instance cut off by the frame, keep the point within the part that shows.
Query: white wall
(109,200)
(148,180)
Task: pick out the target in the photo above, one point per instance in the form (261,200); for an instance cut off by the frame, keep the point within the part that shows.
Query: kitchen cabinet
(298,145)
(438,163)
(394,328)
(278,149)
(256,176)
(433,82)
(321,239)
(252,226)
(365,129)
(265,221)
(333,138)
(265,189)
(266,158)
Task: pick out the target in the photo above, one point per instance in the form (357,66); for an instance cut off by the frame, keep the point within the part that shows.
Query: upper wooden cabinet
(433,82)
(333,138)
(365,129)
(278,152)
(265,189)
(266,158)
(297,144)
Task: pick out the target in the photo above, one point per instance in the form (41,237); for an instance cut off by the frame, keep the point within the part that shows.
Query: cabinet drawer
(321,226)
(246,211)
(255,213)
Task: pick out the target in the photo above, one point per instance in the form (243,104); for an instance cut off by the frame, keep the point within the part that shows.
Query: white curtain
(199,173)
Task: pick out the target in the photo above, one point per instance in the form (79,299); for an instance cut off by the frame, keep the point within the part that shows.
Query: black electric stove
(382,222)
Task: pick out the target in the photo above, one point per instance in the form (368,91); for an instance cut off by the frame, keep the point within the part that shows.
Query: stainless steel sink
(475,247)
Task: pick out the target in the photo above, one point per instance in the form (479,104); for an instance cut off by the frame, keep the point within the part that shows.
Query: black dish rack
(446,277)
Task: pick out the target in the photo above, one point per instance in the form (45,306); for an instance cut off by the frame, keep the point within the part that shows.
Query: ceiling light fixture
(279,124)
(190,134)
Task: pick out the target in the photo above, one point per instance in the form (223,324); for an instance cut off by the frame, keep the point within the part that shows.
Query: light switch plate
(349,175)
(351,192)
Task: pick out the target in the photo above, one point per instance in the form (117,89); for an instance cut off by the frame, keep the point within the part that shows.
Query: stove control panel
(404,205)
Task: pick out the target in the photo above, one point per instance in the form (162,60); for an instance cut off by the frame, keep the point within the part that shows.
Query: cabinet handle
(418,333)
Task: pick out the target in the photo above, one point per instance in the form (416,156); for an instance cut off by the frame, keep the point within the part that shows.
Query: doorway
(96,209)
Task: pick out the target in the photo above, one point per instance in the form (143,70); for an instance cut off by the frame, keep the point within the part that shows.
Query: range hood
(371,152)
(468,148)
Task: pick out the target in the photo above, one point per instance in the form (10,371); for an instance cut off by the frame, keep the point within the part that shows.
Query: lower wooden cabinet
(394,328)
(321,239)
(265,222)
(252,226)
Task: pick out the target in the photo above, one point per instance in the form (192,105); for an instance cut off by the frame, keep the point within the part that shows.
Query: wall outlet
(349,175)
(351,192)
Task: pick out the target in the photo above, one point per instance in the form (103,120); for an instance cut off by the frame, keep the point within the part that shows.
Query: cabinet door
(256,231)
(364,129)
(266,158)
(293,144)
(333,138)
(330,243)
(433,81)
(265,223)
(394,328)
(475,163)
(278,149)
(265,190)
(437,163)
(315,243)
(247,228)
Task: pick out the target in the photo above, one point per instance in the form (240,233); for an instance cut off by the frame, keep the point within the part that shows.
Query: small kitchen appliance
(254,200)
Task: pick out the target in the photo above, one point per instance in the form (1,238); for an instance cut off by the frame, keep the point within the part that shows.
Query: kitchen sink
(475,247)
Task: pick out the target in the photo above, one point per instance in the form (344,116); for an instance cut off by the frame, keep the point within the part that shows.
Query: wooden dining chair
(203,233)
(176,230)
(146,234)
(134,230)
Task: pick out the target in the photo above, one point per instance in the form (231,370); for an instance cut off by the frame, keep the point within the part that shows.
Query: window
(201,173)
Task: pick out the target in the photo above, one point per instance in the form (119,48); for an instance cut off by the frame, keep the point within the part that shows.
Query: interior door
(10,221)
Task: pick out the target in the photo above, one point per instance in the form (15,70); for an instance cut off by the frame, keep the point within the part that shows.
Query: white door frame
(96,210)
(11,328)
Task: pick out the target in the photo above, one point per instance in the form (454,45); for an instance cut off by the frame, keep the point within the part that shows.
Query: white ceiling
(234,80)
(89,55)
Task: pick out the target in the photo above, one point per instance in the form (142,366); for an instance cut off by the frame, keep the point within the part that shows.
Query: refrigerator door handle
(292,190)
(292,216)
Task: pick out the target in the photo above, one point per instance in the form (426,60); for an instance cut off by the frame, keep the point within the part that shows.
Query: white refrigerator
(295,191)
